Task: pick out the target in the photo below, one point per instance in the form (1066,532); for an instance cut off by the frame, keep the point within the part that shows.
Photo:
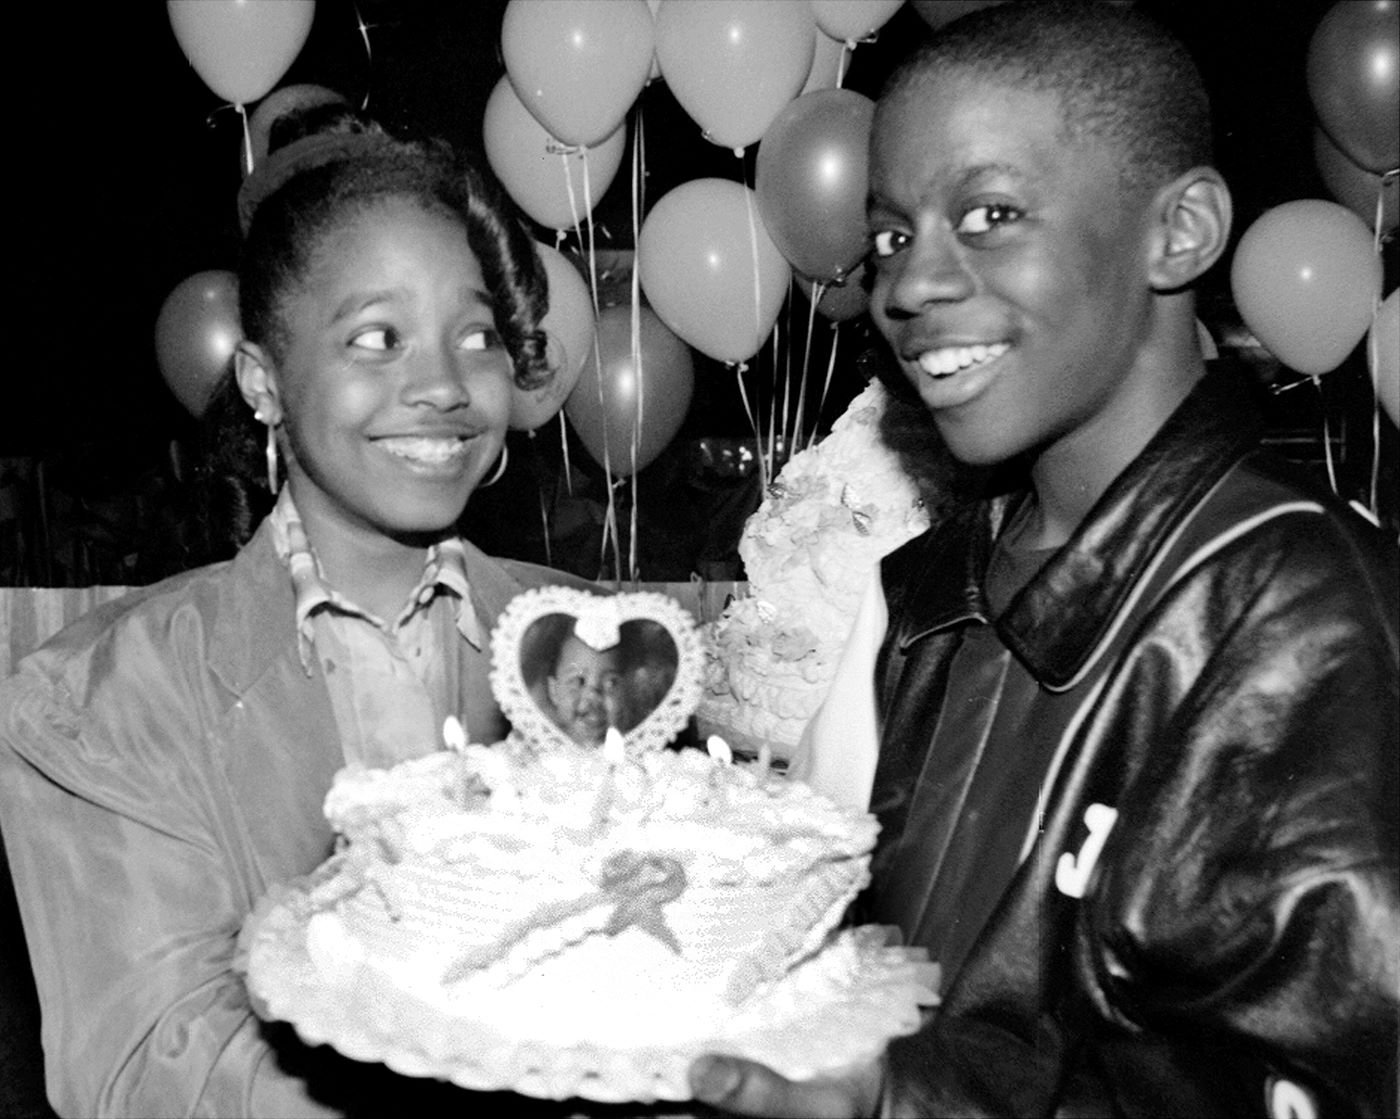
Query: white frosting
(646,894)
(833,512)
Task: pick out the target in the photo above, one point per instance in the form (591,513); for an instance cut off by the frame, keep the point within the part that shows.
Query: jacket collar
(255,620)
(1067,610)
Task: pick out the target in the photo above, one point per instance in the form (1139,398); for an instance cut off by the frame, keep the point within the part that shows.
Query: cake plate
(836,1009)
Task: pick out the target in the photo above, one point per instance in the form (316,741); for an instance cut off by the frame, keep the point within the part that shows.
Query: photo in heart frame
(569,665)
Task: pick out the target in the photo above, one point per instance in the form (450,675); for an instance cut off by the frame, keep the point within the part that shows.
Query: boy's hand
(747,1088)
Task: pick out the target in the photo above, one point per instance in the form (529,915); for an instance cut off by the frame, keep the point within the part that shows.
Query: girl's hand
(746,1088)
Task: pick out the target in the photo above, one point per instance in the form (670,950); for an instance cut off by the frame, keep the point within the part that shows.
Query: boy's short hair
(1122,78)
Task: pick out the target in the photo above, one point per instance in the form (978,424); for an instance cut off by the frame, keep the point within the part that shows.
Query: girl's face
(394,386)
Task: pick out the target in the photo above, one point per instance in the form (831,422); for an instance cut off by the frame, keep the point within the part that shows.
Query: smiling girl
(163,762)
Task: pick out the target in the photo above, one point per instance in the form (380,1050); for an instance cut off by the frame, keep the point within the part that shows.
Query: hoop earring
(500,468)
(271,453)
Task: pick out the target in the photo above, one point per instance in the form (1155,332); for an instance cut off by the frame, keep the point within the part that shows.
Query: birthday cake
(833,512)
(565,919)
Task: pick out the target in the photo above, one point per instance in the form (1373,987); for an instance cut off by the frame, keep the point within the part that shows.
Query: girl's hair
(349,164)
(327,164)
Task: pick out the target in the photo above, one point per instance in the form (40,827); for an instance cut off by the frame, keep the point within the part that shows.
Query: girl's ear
(1192,226)
(257,381)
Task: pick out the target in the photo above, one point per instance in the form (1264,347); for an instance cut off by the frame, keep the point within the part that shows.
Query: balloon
(811,180)
(1354,80)
(853,19)
(732,64)
(284,102)
(536,177)
(697,253)
(569,325)
(936,13)
(826,64)
(577,65)
(1305,277)
(1355,187)
(241,48)
(196,332)
(843,301)
(1385,370)
(664,379)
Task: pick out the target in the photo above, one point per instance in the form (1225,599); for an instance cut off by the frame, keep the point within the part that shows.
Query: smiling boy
(1131,734)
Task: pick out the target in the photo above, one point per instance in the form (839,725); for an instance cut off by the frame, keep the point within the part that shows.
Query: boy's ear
(257,381)
(1193,214)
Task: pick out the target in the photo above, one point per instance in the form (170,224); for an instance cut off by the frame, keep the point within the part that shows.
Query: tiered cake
(465,874)
(834,511)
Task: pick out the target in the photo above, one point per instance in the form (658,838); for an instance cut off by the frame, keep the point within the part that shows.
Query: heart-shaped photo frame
(567,665)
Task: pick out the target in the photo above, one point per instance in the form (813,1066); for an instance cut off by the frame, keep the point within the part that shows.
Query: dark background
(124,169)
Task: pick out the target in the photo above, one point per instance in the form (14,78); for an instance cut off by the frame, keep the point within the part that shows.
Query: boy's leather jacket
(1208,921)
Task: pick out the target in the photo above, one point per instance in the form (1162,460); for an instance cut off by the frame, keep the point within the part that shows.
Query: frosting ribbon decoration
(642,884)
(639,885)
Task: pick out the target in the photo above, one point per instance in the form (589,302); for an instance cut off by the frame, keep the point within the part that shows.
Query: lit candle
(615,754)
(719,749)
(454,734)
(614,748)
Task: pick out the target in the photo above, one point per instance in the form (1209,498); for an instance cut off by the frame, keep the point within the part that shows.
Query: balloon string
(632,569)
(788,373)
(774,434)
(1375,455)
(830,370)
(639,132)
(564,451)
(1373,360)
(847,48)
(1326,437)
(577,219)
(544,500)
(247,141)
(757,289)
(369,54)
(740,368)
(818,289)
(544,527)
(611,521)
(610,517)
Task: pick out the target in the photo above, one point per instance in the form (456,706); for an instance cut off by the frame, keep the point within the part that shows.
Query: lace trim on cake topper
(569,666)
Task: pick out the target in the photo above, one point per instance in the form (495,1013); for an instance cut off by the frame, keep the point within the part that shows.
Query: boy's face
(586,691)
(395,387)
(1011,276)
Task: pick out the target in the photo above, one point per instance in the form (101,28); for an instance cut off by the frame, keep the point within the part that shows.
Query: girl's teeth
(422,449)
(941,363)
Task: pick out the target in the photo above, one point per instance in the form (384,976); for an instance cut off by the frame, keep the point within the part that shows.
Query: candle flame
(454,734)
(719,749)
(614,749)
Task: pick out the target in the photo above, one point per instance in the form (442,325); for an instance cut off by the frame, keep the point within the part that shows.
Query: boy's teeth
(424,449)
(940,363)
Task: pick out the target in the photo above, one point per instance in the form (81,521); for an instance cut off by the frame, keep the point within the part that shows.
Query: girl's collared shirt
(392,684)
